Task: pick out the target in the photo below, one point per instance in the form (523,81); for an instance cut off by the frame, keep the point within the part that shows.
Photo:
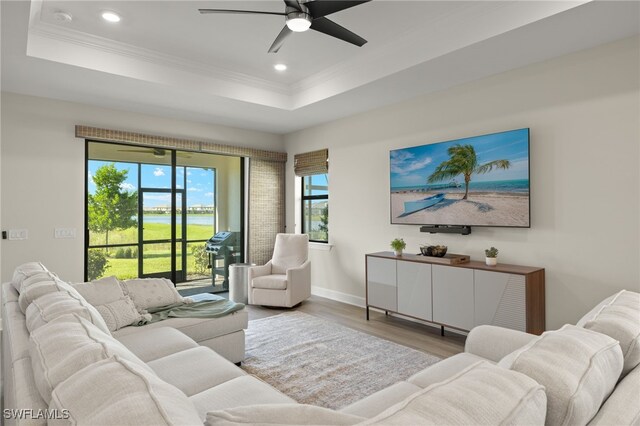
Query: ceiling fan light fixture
(280,67)
(298,21)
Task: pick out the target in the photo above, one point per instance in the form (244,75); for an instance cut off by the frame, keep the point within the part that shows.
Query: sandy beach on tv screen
(481,208)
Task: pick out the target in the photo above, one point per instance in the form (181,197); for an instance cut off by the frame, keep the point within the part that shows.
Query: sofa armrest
(494,343)
(258,271)
(301,274)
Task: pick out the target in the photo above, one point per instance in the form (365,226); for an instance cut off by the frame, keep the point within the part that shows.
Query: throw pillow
(151,292)
(68,344)
(620,319)
(24,271)
(578,368)
(116,391)
(482,393)
(280,414)
(121,313)
(111,301)
(53,305)
(102,291)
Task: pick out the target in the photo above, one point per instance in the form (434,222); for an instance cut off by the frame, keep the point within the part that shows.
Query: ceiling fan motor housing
(298,20)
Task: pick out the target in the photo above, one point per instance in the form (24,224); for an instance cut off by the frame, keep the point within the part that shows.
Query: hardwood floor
(399,330)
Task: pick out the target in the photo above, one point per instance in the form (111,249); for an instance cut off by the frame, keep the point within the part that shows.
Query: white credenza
(458,296)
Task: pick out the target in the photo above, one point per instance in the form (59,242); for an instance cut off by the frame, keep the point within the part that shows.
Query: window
(150,211)
(315,207)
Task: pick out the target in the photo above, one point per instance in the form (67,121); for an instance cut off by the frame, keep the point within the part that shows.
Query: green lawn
(151,231)
(157,257)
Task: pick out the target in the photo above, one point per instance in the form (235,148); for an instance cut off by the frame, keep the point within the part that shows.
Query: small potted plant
(492,256)
(398,245)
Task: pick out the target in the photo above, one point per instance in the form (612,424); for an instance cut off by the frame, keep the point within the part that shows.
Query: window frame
(304,198)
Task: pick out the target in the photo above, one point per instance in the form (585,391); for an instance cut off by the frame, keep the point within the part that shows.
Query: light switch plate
(65,233)
(18,234)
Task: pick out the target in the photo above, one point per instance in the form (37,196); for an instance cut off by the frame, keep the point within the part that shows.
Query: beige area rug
(319,362)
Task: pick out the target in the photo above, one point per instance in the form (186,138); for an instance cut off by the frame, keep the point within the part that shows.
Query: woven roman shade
(311,163)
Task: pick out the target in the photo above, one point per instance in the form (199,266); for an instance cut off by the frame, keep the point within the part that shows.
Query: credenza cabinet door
(414,290)
(381,283)
(500,299)
(453,299)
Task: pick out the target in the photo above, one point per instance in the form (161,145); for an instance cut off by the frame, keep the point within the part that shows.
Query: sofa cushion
(579,368)
(53,305)
(589,315)
(290,251)
(115,391)
(623,406)
(280,414)
(24,392)
(153,343)
(271,282)
(68,344)
(444,369)
(199,329)
(151,292)
(24,271)
(195,370)
(15,335)
(241,391)
(620,319)
(32,289)
(376,403)
(483,393)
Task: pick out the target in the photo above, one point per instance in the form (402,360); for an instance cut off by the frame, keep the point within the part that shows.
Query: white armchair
(286,279)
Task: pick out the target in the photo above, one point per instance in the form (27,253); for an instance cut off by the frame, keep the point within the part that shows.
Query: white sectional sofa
(64,363)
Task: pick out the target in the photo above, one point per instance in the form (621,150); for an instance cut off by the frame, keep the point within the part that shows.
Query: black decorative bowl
(434,251)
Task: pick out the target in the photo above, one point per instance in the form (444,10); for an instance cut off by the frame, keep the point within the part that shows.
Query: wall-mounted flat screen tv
(477,181)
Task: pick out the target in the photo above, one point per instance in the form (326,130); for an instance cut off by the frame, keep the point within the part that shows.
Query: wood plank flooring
(399,330)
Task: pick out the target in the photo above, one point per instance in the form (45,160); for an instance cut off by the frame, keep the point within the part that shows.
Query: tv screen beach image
(477,181)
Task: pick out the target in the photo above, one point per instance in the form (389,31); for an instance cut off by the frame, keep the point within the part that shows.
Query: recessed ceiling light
(280,67)
(110,16)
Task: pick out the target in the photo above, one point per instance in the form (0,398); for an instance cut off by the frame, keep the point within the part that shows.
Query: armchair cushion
(271,282)
(290,251)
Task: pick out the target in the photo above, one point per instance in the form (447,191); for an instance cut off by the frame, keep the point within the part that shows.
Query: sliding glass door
(150,212)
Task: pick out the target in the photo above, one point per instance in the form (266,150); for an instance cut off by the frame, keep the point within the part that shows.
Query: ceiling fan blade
(246,12)
(279,41)
(293,3)
(320,8)
(329,27)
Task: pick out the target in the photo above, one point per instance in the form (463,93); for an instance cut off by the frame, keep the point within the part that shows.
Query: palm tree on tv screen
(463,160)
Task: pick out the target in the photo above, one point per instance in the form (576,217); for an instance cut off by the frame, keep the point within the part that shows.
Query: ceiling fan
(157,152)
(302,15)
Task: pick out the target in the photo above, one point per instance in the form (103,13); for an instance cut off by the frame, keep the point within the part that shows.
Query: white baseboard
(338,296)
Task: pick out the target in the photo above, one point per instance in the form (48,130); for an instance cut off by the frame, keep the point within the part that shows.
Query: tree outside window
(315,207)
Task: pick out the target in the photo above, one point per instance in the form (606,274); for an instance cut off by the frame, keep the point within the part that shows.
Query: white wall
(584,115)
(42,172)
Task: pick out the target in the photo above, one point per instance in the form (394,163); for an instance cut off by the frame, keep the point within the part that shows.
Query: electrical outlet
(65,233)
(18,234)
